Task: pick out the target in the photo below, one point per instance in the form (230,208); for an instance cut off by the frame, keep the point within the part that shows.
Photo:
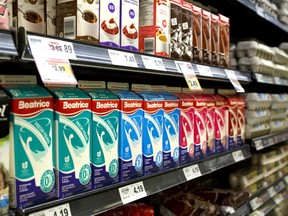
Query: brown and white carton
(50,11)
(215,39)
(197,33)
(176,28)
(187,31)
(29,14)
(78,19)
(154,27)
(206,36)
(224,36)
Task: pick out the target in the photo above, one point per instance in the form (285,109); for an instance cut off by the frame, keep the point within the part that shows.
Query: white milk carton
(73,138)
(32,173)
(152,128)
(110,23)
(130,131)
(105,133)
(129,23)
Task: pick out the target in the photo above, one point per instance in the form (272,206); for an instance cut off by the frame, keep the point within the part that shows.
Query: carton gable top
(150,96)
(101,94)
(68,93)
(168,96)
(127,95)
(187,5)
(27,91)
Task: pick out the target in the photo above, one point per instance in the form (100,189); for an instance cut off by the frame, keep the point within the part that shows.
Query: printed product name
(171,104)
(234,102)
(220,103)
(132,105)
(200,103)
(75,105)
(210,104)
(2,110)
(100,105)
(154,105)
(34,104)
(187,103)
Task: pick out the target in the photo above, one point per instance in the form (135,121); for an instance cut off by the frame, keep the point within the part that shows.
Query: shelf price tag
(192,172)
(61,210)
(238,155)
(258,144)
(256,203)
(51,61)
(132,192)
(122,58)
(286,179)
(189,74)
(278,199)
(271,191)
(271,141)
(153,63)
(233,79)
(204,70)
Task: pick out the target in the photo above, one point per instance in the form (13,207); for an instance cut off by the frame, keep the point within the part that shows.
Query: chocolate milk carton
(187,34)
(206,36)
(50,17)
(224,40)
(215,39)
(197,34)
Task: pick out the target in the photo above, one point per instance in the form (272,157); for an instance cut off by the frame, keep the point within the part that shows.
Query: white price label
(122,58)
(238,155)
(271,191)
(153,63)
(278,199)
(192,172)
(277,80)
(286,179)
(132,192)
(62,210)
(271,141)
(259,144)
(234,80)
(256,203)
(204,70)
(259,78)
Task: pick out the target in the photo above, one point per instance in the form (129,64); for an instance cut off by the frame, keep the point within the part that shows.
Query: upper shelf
(269,140)
(7,46)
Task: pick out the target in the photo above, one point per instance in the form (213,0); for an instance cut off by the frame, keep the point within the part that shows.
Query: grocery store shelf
(262,78)
(242,210)
(94,56)
(94,202)
(7,45)
(269,140)
(263,14)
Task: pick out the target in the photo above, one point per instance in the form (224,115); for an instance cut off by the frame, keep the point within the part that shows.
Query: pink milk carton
(4,21)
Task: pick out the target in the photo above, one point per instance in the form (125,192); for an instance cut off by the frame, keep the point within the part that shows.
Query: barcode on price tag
(204,70)
(258,144)
(153,63)
(132,192)
(122,58)
(61,210)
(256,203)
(234,80)
(238,155)
(271,191)
(192,172)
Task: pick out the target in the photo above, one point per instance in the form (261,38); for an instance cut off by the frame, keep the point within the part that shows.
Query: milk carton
(187,31)
(73,138)
(197,34)
(152,128)
(241,121)
(50,11)
(154,27)
(206,36)
(32,173)
(4,19)
(129,24)
(4,152)
(110,23)
(105,133)
(130,131)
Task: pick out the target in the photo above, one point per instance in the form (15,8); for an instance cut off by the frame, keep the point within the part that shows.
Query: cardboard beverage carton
(187,31)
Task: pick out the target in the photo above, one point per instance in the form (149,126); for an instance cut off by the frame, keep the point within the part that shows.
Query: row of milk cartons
(68,140)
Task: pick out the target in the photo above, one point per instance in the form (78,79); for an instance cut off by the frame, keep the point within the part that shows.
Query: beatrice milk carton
(152,128)
(170,127)
(105,133)
(241,121)
(186,125)
(130,131)
(73,138)
(154,27)
(129,24)
(32,173)
(4,152)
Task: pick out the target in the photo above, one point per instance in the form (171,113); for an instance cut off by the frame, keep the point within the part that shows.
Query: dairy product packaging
(206,36)
(187,31)
(4,19)
(176,50)
(73,140)
(105,133)
(32,171)
(197,34)
(241,121)
(110,23)
(152,128)
(154,27)
(130,131)
(50,11)
(224,40)
(129,23)
(78,20)
(29,14)
(4,152)
(215,39)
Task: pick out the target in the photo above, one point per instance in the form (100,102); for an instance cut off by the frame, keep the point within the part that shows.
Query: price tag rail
(97,201)
(8,49)
(263,142)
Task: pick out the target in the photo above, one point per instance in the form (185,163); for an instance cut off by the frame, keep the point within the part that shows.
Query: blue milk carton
(73,138)
(130,131)
(152,128)
(32,172)
(105,133)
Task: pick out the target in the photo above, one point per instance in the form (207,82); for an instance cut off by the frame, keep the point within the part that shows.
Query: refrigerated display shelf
(94,202)
(7,45)
(266,79)
(242,210)
(266,141)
